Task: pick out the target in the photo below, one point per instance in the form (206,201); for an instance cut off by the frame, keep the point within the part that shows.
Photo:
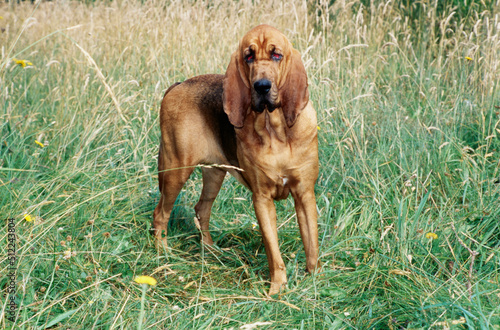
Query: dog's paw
(161,243)
(276,288)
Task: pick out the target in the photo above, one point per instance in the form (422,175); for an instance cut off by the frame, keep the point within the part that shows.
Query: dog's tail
(171,87)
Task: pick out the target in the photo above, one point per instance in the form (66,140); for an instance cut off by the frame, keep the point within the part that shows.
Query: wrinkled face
(264,53)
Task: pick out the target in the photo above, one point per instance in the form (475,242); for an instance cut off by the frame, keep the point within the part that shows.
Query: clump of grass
(409,146)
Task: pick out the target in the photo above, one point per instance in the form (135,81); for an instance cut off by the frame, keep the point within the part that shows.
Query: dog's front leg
(266,215)
(307,217)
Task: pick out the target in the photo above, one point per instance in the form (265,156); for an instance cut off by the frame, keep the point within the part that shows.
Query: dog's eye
(276,56)
(249,58)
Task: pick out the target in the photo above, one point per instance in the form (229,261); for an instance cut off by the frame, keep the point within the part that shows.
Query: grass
(409,145)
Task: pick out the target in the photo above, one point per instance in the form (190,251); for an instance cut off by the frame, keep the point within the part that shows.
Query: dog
(255,122)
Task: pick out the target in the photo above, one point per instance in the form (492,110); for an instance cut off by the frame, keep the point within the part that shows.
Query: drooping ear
(236,96)
(294,93)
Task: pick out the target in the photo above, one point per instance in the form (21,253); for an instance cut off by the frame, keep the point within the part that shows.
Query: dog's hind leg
(212,182)
(171,179)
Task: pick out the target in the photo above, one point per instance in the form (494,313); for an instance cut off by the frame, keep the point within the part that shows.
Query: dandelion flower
(143,279)
(28,217)
(22,63)
(468,58)
(319,128)
(39,143)
(431,236)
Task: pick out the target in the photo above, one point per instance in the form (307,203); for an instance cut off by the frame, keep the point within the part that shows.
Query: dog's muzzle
(265,96)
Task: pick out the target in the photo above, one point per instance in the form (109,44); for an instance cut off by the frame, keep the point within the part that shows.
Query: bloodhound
(255,122)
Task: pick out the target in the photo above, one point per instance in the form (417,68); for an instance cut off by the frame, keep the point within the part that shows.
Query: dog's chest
(267,155)
(269,166)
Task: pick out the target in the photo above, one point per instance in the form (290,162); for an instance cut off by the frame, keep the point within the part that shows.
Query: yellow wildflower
(431,236)
(22,63)
(39,143)
(28,217)
(468,58)
(319,128)
(143,279)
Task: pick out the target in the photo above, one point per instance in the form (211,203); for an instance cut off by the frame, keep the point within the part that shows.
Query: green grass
(409,144)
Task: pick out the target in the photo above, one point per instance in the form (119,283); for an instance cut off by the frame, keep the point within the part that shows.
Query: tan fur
(210,119)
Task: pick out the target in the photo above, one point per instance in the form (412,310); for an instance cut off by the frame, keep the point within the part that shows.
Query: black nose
(262,86)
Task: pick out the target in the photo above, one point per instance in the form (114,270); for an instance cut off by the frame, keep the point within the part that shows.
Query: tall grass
(408,108)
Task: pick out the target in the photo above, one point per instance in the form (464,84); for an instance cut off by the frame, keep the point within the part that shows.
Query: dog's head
(265,73)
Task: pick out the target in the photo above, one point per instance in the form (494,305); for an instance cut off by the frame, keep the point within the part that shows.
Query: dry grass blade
(103,80)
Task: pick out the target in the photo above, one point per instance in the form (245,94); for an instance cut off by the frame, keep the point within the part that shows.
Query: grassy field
(408,102)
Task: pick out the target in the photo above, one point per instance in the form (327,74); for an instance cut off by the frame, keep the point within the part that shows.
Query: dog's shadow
(235,246)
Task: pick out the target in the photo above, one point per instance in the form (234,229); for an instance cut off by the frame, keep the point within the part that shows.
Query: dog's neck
(270,126)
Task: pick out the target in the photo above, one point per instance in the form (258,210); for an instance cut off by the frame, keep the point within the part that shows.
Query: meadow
(408,101)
